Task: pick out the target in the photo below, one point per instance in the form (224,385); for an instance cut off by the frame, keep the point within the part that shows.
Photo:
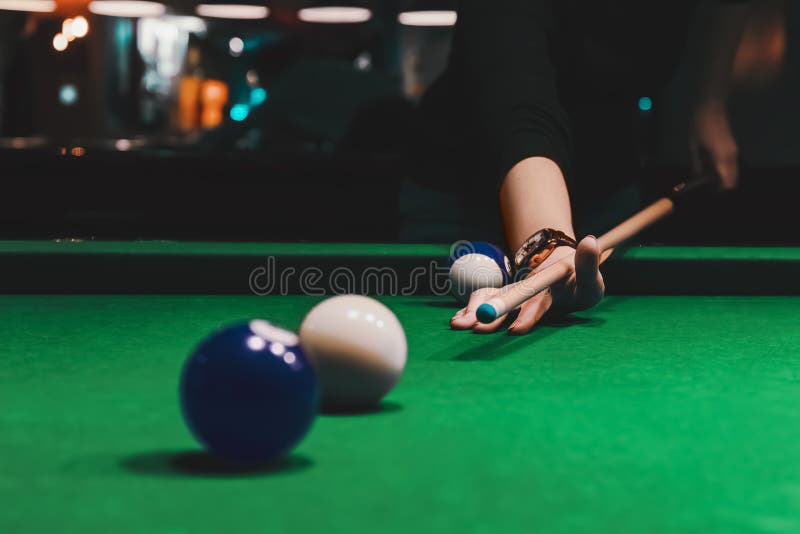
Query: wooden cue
(515,294)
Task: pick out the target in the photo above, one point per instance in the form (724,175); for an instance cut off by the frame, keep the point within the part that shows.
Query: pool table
(673,406)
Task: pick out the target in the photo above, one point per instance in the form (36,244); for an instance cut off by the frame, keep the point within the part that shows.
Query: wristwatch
(539,246)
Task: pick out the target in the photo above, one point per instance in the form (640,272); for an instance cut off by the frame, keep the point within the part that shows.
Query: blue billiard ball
(474,265)
(248,393)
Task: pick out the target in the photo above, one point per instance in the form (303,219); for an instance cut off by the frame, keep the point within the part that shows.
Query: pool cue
(515,294)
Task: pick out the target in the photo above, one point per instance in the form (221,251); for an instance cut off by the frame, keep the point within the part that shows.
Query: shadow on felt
(501,343)
(383,408)
(203,465)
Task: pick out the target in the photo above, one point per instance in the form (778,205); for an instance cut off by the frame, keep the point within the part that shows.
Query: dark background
(323,158)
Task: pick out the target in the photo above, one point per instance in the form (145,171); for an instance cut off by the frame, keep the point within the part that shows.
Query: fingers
(728,169)
(716,151)
(587,257)
(488,328)
(530,313)
(588,291)
(589,283)
(466,317)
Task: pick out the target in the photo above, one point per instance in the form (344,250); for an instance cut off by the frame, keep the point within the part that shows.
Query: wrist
(540,246)
(557,255)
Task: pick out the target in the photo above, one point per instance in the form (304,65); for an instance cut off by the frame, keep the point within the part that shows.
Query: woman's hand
(711,142)
(582,290)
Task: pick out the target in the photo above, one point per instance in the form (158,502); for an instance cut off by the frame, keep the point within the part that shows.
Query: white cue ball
(358,348)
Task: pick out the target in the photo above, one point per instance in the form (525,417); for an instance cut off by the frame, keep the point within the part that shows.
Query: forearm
(723,29)
(501,59)
(534,196)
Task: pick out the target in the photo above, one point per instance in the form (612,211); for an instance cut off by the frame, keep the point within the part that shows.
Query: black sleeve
(501,64)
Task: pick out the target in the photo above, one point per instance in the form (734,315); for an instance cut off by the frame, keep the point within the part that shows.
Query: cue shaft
(515,294)
(635,224)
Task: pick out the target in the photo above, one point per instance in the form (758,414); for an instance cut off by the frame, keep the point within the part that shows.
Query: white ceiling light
(79,27)
(60,42)
(236,46)
(232,11)
(38,6)
(127,8)
(428,18)
(335,15)
(187,24)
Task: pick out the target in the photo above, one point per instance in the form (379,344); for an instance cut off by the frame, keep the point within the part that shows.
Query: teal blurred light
(258,96)
(239,112)
(68,94)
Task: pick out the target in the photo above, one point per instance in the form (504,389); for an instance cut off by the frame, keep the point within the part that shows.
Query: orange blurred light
(189,103)
(78,151)
(72,5)
(211,118)
(213,97)
(214,91)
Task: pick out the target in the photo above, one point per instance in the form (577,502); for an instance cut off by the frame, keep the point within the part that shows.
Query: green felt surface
(190,248)
(645,414)
(712,253)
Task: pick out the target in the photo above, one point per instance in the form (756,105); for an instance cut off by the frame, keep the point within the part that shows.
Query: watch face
(531,245)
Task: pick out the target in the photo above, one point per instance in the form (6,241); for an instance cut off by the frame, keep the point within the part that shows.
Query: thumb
(589,284)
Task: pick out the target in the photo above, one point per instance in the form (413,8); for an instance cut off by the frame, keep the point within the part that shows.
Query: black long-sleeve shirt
(545,77)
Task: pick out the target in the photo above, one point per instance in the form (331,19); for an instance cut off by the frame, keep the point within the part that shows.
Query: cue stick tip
(486,313)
